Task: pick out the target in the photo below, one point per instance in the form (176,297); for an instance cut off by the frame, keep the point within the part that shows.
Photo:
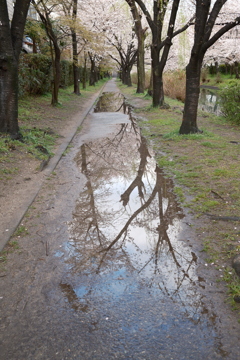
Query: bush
(34,74)
(66,73)
(230,102)
(174,84)
(223,69)
(204,74)
(134,78)
(147,79)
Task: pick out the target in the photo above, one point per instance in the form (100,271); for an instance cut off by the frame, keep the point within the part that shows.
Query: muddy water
(106,272)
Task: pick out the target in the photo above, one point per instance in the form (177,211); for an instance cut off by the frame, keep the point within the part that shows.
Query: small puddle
(128,262)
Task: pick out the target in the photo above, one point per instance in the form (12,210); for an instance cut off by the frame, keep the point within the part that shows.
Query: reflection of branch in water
(134,215)
(137,182)
(72,297)
(114,143)
(94,222)
(163,235)
(133,122)
(185,273)
(122,132)
(109,101)
(165,217)
(164,222)
(167,211)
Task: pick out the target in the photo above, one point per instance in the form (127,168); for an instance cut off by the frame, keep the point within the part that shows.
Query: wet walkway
(105,271)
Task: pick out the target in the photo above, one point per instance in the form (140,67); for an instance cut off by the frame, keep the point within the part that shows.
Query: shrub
(223,69)
(34,74)
(66,73)
(230,102)
(174,84)
(147,79)
(219,78)
(134,78)
(204,74)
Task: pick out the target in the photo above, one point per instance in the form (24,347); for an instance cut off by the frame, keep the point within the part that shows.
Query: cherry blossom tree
(161,43)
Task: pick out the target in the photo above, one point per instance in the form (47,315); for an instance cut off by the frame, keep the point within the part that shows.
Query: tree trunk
(84,76)
(57,77)
(9,96)
(189,122)
(56,73)
(124,77)
(11,34)
(128,78)
(141,51)
(158,94)
(140,64)
(92,71)
(150,88)
(76,77)
(44,16)
(92,77)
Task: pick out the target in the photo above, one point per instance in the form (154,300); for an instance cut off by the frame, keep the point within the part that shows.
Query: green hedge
(230,102)
(228,69)
(66,73)
(35,74)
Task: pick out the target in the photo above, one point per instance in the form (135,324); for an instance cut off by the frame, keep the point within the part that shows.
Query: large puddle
(130,270)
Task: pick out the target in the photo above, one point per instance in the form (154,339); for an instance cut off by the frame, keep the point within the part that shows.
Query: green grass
(221,80)
(21,231)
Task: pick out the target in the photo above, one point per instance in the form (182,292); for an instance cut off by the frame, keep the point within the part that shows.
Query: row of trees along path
(204,16)
(203,19)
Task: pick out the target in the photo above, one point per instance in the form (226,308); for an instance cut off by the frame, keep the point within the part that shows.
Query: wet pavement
(107,270)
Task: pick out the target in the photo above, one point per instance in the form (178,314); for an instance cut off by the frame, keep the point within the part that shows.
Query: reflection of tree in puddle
(110,101)
(73,299)
(125,256)
(210,101)
(127,216)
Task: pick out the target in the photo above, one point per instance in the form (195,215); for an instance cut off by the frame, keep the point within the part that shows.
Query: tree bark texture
(11,35)
(92,78)
(76,75)
(9,95)
(84,75)
(56,75)
(189,122)
(140,65)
